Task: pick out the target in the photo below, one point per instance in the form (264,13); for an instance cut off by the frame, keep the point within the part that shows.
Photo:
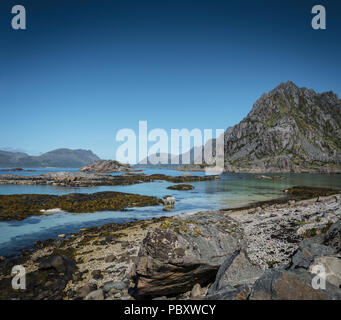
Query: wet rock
(184,187)
(95,295)
(183,252)
(291,285)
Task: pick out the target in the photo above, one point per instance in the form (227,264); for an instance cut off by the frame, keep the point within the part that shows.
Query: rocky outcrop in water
(106,166)
(82,179)
(21,206)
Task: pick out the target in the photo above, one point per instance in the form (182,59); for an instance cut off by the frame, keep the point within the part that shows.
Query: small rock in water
(168,200)
(61,236)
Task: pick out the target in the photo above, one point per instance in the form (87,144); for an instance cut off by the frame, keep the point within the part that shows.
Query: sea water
(232,190)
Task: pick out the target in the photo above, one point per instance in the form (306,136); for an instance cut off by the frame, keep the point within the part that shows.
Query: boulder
(236,270)
(277,284)
(183,252)
(332,266)
(307,252)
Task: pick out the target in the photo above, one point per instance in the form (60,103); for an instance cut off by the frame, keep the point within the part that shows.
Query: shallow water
(233,190)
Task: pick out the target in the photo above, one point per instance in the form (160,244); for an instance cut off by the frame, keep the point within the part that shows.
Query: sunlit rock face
(289,129)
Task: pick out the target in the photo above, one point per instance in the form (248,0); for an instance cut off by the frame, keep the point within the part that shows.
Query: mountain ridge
(60,158)
(289,129)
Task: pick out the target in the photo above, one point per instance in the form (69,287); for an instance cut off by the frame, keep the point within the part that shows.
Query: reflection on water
(233,190)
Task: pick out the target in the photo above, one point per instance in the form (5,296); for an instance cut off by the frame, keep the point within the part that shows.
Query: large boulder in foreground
(106,166)
(184,251)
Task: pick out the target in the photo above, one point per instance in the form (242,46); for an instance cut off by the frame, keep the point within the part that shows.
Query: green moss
(271,263)
(310,233)
(304,192)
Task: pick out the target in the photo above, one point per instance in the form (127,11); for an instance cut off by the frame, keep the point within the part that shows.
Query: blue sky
(85,69)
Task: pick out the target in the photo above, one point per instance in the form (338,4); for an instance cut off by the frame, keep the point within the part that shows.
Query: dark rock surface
(183,252)
(291,285)
(21,206)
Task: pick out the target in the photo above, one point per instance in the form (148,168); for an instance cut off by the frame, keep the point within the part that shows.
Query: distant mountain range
(289,129)
(60,158)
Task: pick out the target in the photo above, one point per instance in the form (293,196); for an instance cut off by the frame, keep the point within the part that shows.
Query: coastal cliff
(289,129)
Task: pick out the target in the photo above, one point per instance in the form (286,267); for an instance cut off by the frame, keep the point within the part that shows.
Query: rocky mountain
(63,158)
(289,129)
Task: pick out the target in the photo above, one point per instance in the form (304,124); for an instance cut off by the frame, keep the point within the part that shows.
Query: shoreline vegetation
(109,262)
(22,206)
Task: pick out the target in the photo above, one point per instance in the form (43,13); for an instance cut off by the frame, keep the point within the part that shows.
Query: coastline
(108,253)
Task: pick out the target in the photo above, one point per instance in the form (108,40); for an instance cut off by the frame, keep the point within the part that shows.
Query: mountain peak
(289,129)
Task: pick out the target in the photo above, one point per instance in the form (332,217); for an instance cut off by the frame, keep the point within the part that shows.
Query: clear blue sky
(85,69)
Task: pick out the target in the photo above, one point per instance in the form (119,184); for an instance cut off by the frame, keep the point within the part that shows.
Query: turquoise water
(233,190)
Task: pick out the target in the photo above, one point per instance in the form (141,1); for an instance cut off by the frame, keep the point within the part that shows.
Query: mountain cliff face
(290,129)
(63,158)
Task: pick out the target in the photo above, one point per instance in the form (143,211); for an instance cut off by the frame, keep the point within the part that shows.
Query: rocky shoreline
(81,179)
(264,251)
